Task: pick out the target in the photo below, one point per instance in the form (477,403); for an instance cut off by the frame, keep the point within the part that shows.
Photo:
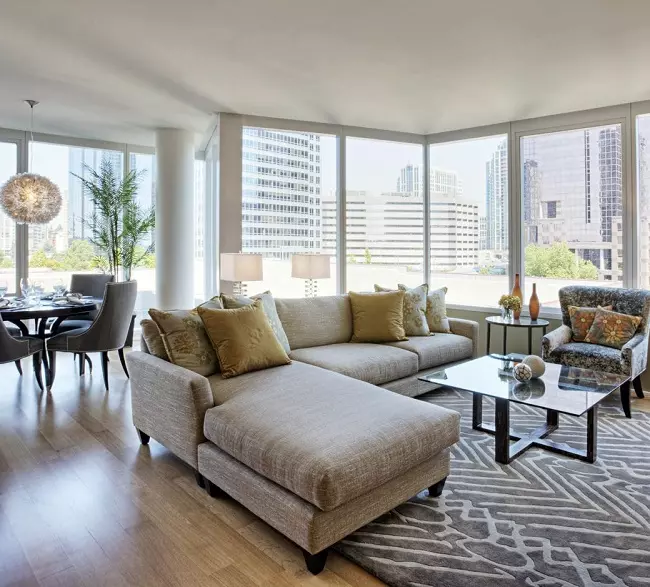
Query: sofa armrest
(468,329)
(634,355)
(554,339)
(169,403)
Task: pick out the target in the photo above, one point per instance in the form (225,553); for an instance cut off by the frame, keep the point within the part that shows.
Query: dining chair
(15,348)
(107,333)
(86,284)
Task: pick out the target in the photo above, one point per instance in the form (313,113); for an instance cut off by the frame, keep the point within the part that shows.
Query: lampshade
(310,266)
(241,267)
(30,198)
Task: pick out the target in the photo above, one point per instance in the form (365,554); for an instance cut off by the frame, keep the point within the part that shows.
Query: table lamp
(239,268)
(310,267)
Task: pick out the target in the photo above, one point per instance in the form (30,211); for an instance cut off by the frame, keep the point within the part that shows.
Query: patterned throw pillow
(268,303)
(243,339)
(415,305)
(581,321)
(437,311)
(612,328)
(153,340)
(185,339)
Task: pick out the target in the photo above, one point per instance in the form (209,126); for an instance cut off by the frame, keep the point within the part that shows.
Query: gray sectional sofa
(322,446)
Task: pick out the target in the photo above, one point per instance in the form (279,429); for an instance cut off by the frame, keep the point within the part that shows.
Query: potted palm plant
(118,224)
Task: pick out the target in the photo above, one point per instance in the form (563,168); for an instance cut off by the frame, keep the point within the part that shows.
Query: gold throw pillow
(415,305)
(378,317)
(243,339)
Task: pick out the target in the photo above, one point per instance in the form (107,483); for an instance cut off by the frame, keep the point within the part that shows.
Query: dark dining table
(42,314)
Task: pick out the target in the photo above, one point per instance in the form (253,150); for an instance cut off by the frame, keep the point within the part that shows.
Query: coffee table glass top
(564,389)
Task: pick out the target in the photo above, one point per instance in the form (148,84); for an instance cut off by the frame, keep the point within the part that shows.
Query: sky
(375,165)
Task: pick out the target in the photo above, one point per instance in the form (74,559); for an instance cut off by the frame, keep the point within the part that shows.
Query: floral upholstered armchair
(559,347)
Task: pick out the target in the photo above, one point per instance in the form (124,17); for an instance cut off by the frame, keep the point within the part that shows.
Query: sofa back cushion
(316,321)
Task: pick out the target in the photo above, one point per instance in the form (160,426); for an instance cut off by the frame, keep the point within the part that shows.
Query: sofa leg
(315,562)
(436,489)
(144,438)
(200,481)
(625,398)
(212,489)
(637,387)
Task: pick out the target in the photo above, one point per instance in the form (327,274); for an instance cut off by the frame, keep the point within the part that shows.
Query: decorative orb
(536,365)
(522,372)
(30,198)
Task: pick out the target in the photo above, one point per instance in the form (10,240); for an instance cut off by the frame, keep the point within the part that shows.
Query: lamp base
(239,288)
(311,288)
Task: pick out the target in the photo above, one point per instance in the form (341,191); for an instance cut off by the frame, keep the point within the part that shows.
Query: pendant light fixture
(29,198)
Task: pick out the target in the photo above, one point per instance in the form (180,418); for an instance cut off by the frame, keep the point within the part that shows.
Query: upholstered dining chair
(86,284)
(15,348)
(559,347)
(107,333)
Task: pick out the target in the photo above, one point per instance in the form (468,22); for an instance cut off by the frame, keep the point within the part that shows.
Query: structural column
(174,218)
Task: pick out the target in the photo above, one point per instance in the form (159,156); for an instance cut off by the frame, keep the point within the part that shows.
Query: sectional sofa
(322,446)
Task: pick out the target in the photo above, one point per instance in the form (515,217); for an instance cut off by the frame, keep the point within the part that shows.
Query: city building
(496,200)
(281,197)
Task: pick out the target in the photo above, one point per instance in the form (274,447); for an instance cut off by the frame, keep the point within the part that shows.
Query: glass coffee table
(561,390)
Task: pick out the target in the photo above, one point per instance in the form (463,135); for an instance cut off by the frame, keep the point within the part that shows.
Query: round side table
(512,323)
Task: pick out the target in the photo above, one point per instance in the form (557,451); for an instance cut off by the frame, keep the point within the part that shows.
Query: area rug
(544,520)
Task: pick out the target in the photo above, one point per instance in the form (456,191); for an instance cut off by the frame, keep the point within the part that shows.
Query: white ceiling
(117,69)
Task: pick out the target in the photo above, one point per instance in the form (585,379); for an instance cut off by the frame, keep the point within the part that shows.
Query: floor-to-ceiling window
(572,202)
(62,246)
(643,198)
(8,167)
(288,204)
(384,210)
(468,212)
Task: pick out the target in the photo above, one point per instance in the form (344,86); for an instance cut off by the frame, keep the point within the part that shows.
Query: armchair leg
(637,387)
(36,361)
(120,352)
(625,398)
(19,367)
(105,368)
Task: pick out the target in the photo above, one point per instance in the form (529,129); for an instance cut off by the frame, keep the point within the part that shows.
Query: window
(61,247)
(384,214)
(643,193)
(468,195)
(144,164)
(199,228)
(572,209)
(8,167)
(288,204)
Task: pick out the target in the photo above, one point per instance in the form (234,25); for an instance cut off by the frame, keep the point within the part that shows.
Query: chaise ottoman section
(302,522)
(327,438)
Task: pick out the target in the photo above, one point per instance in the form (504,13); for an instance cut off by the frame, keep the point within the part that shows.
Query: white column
(174,218)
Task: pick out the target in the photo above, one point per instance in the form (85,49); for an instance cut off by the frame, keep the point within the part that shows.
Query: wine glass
(59,288)
(38,289)
(25,287)
(3,288)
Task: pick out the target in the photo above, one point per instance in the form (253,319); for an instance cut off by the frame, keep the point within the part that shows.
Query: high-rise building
(281,199)
(440,181)
(496,199)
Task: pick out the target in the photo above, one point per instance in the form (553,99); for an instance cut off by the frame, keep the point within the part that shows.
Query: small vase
(534,305)
(506,314)
(516,291)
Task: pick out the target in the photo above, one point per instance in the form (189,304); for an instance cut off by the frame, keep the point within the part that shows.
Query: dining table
(42,312)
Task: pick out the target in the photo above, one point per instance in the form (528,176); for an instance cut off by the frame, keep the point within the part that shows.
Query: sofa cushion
(316,321)
(372,363)
(325,437)
(437,349)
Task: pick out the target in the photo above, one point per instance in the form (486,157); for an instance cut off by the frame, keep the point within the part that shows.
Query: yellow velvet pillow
(378,317)
(243,339)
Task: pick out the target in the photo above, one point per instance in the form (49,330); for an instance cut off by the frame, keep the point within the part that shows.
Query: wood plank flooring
(82,503)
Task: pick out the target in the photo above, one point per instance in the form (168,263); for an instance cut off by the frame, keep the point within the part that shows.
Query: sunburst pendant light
(29,198)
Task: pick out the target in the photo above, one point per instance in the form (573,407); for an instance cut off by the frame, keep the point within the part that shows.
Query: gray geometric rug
(544,520)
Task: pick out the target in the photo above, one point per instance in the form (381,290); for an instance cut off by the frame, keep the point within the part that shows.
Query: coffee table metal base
(504,452)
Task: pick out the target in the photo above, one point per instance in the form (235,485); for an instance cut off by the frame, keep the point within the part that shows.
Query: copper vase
(516,291)
(534,305)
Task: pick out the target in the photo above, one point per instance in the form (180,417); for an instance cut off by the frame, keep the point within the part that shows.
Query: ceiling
(117,70)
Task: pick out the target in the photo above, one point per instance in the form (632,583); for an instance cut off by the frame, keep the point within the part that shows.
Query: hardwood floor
(82,503)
